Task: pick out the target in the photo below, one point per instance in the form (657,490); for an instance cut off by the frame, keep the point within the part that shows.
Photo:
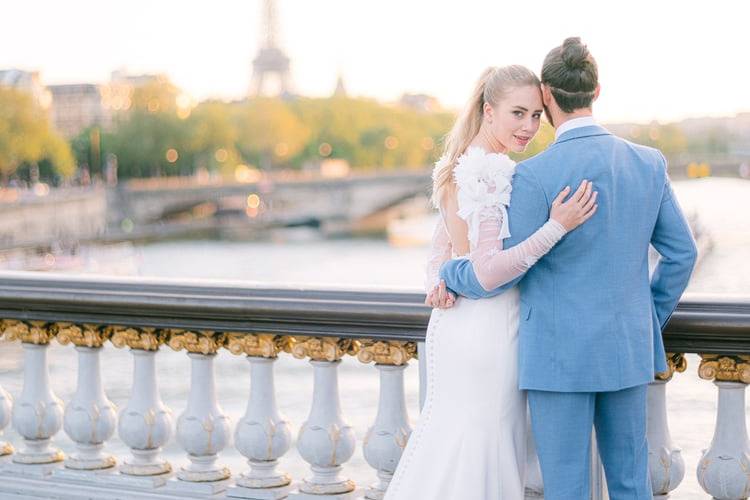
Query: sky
(658,60)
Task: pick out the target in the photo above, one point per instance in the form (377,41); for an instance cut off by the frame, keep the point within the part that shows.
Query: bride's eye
(537,116)
(518,114)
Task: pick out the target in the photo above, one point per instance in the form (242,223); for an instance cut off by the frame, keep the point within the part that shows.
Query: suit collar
(579,132)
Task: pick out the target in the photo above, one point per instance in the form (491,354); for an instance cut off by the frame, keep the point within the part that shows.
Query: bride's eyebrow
(526,110)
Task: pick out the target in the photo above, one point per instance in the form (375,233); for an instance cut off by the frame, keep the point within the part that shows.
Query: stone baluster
(6,407)
(325,441)
(665,463)
(90,418)
(385,441)
(38,413)
(263,435)
(203,430)
(723,469)
(145,424)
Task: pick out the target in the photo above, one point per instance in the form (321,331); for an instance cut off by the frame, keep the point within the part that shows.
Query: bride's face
(516,118)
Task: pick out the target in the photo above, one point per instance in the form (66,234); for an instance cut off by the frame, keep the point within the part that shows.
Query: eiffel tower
(271,60)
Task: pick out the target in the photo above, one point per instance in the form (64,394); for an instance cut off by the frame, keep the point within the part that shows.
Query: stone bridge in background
(135,207)
(161,208)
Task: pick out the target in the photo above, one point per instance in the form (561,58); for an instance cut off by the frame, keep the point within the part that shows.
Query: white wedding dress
(470,442)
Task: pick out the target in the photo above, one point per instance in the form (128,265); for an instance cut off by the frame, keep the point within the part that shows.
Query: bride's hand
(440,297)
(579,208)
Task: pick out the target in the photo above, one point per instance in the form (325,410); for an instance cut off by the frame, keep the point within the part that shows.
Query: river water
(722,204)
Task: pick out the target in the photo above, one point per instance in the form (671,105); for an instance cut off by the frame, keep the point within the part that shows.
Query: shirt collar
(584,121)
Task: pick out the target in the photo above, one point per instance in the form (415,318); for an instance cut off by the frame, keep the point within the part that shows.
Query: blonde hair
(492,86)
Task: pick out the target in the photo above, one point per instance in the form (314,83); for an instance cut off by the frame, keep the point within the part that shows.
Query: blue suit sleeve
(674,241)
(528,211)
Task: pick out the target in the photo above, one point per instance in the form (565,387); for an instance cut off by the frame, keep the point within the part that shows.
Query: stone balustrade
(325,440)
(321,327)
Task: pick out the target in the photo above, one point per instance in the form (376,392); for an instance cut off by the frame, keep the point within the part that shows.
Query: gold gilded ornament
(723,368)
(324,348)
(676,362)
(86,335)
(145,339)
(262,345)
(387,352)
(203,342)
(30,332)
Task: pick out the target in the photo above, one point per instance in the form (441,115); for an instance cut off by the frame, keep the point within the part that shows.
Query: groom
(591,320)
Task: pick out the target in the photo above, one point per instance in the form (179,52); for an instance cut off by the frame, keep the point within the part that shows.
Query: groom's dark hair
(571,73)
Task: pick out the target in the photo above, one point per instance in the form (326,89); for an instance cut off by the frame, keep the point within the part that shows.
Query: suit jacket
(591,318)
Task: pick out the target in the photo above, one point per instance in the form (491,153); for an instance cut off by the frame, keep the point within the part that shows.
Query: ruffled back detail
(484,187)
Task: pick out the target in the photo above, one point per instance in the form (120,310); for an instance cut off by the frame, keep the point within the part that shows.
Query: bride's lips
(522,139)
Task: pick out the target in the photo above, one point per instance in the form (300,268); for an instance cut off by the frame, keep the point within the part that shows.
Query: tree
(143,142)
(269,132)
(26,136)
(213,136)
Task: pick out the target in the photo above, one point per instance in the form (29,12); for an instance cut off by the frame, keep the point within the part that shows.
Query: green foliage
(141,141)
(670,138)
(27,138)
(268,133)
(370,134)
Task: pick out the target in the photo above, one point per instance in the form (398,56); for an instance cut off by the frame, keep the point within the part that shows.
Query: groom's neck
(566,117)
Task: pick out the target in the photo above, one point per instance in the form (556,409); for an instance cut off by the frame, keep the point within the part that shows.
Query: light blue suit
(591,320)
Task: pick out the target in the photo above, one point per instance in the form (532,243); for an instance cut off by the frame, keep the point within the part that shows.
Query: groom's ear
(596,92)
(546,95)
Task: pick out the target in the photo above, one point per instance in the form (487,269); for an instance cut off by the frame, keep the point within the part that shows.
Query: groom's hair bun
(574,53)
(572,75)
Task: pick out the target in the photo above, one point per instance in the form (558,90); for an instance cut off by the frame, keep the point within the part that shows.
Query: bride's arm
(451,233)
(440,251)
(491,269)
(494,266)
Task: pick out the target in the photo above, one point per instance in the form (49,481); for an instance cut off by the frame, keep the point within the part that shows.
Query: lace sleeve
(440,251)
(485,187)
(495,266)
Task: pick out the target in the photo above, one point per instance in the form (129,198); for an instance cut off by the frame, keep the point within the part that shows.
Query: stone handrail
(323,326)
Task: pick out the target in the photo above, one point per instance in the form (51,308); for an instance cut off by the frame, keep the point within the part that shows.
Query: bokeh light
(221,155)
(253,201)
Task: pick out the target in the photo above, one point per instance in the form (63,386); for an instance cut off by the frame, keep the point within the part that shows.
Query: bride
(470,441)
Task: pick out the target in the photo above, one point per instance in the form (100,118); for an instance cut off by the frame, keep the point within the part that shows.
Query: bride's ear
(487,112)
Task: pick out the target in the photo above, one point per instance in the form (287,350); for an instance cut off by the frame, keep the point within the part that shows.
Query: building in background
(76,107)
(27,81)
